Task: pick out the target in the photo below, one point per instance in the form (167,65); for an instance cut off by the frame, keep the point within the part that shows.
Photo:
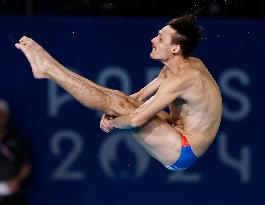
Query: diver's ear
(175,49)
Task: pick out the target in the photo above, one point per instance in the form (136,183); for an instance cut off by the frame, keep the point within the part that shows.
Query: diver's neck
(173,64)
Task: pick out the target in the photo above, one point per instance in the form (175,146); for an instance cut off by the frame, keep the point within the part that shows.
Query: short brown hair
(188,33)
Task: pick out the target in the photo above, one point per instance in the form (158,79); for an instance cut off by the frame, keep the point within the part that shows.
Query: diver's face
(162,46)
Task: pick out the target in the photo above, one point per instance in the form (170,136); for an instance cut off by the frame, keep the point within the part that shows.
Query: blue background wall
(75,163)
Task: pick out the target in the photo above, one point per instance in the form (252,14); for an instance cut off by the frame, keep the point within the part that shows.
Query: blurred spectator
(14,166)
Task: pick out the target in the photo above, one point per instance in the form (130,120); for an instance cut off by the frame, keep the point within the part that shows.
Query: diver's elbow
(136,122)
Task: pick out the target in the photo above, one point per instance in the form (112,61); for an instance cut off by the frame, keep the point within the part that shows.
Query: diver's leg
(93,96)
(160,139)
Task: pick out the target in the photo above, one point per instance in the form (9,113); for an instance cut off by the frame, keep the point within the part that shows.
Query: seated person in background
(14,165)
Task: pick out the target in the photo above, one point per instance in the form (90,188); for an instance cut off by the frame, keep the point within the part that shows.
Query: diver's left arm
(169,90)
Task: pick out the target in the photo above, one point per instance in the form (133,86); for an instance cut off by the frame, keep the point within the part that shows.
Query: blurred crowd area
(204,8)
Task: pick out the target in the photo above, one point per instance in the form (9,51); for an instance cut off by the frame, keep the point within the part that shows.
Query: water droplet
(12,39)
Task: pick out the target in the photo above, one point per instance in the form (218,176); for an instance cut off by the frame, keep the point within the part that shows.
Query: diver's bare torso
(196,114)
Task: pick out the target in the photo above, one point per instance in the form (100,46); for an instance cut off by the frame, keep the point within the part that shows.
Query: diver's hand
(105,123)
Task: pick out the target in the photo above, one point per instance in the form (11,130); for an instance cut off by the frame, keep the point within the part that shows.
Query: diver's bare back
(198,112)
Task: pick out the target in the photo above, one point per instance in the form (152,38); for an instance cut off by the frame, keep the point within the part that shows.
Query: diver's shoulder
(191,70)
(196,60)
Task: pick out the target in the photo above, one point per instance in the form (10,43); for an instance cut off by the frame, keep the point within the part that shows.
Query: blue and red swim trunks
(187,157)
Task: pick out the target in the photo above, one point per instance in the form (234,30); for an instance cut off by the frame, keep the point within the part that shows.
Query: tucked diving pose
(178,138)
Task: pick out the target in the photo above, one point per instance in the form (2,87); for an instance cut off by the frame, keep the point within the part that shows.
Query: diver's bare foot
(40,60)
